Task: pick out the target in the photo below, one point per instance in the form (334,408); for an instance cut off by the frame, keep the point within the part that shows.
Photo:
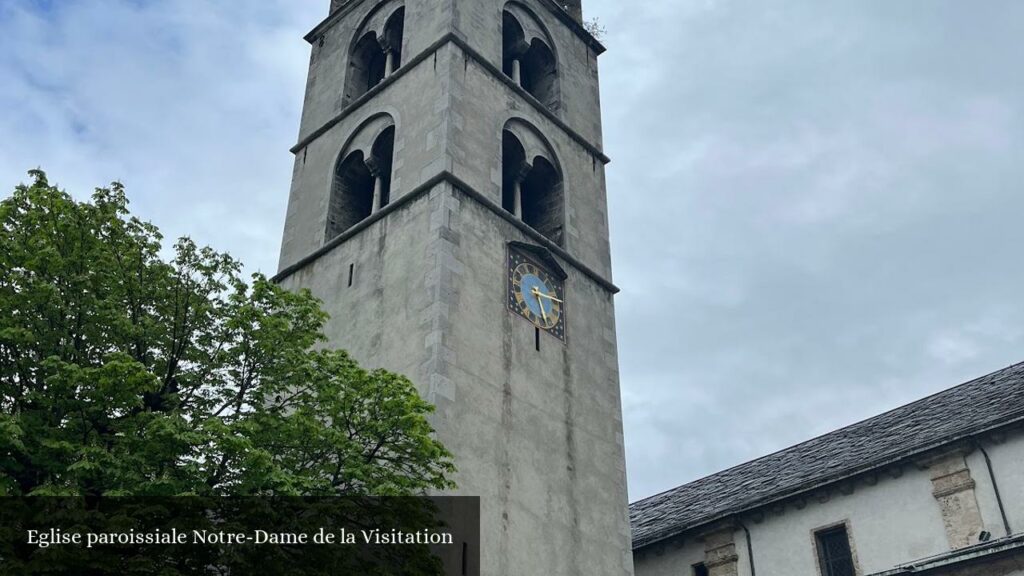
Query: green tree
(122,373)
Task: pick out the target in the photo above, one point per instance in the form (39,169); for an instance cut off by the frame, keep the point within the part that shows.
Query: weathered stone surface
(953,488)
(720,553)
(537,433)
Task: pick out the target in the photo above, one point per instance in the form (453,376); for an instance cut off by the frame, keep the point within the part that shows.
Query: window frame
(819,558)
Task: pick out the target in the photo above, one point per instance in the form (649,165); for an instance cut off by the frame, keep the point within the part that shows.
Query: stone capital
(375,166)
(518,48)
(954,483)
(519,173)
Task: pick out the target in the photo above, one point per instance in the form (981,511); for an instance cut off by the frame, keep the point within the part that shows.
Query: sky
(815,205)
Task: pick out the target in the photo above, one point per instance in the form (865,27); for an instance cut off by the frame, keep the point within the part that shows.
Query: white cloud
(814,206)
(193,109)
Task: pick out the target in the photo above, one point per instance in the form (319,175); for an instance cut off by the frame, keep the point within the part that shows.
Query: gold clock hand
(552,298)
(536,293)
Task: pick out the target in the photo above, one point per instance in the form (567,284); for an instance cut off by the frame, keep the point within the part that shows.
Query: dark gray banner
(239,536)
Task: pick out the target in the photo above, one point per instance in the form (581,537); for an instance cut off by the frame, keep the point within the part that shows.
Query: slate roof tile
(982,404)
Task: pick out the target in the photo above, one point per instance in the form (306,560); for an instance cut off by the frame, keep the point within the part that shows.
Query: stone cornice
(575,25)
(994,548)
(480,60)
(536,104)
(466,189)
(551,5)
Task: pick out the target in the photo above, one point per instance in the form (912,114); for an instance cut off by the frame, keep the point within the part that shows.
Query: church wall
(536,433)
(483,106)
(378,319)
(539,433)
(895,521)
(479,22)
(419,107)
(674,557)
(1008,466)
(426,21)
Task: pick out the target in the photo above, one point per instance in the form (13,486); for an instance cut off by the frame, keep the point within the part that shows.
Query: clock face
(536,295)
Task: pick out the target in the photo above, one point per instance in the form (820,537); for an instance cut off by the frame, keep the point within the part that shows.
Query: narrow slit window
(536,339)
(351,273)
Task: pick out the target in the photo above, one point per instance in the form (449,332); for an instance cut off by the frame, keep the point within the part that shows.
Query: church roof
(972,408)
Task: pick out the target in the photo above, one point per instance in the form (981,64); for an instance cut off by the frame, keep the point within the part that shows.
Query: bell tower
(448,205)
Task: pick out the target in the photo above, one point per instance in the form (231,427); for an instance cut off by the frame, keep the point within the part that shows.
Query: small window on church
(700,570)
(834,554)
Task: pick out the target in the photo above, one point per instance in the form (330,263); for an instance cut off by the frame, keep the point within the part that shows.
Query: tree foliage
(122,373)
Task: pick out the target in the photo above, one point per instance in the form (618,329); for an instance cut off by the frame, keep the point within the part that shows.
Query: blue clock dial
(536,295)
(533,291)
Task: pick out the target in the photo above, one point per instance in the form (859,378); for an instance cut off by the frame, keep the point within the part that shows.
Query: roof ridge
(1018,365)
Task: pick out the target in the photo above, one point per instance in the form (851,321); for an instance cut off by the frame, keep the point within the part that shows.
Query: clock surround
(536,288)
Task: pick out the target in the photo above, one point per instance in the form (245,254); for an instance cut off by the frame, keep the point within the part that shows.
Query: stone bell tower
(448,206)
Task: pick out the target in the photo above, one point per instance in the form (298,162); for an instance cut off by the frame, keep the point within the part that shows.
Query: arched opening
(352,195)
(532,191)
(513,43)
(377,53)
(539,75)
(382,160)
(362,185)
(542,200)
(394,31)
(513,163)
(367,67)
(529,61)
